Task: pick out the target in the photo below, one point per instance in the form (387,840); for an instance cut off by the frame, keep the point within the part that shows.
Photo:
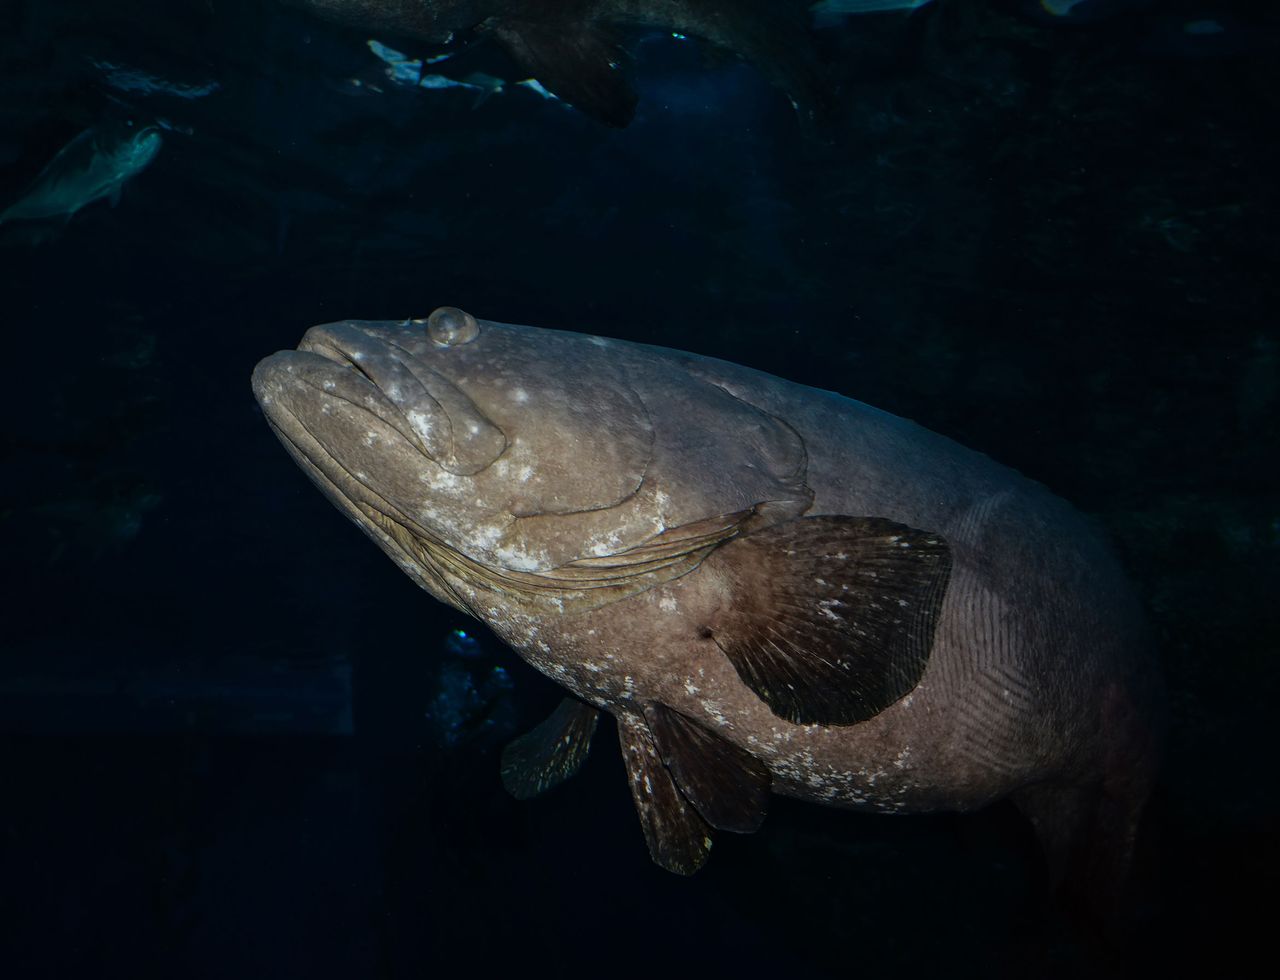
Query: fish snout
(443,421)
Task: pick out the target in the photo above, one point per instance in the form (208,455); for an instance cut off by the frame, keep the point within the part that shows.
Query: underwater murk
(826,453)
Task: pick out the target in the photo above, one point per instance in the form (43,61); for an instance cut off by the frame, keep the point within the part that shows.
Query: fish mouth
(347,423)
(380,376)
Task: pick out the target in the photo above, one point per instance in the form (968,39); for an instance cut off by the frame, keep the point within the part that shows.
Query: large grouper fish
(770,587)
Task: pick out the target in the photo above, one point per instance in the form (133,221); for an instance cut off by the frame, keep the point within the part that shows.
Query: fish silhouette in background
(575,47)
(95,165)
(773,589)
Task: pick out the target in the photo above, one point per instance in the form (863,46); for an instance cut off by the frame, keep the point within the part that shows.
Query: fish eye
(451,327)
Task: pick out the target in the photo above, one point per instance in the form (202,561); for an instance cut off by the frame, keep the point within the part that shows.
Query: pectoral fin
(551,753)
(679,840)
(727,786)
(580,63)
(831,619)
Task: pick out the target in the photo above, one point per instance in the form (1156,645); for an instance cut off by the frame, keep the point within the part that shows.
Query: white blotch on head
(519,396)
(439,479)
(668,604)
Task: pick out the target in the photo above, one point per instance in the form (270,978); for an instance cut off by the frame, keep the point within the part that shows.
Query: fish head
(536,465)
(137,152)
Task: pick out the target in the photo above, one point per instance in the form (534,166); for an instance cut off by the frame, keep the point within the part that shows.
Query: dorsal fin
(830,619)
(550,753)
(727,785)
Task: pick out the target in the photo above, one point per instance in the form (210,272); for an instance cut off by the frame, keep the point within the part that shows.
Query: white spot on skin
(519,396)
(712,708)
(668,605)
(421,423)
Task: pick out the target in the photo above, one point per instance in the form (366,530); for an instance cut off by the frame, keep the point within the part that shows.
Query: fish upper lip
(272,376)
(433,411)
(432,437)
(424,405)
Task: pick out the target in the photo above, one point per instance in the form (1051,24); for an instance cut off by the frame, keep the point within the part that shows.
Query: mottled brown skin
(1039,685)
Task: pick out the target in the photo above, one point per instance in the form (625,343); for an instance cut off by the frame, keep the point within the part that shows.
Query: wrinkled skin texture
(523,455)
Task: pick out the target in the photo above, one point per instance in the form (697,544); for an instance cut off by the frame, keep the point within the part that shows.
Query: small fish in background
(578,50)
(95,165)
(124,78)
(411,72)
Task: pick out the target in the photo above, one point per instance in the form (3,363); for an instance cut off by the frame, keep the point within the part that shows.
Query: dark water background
(238,742)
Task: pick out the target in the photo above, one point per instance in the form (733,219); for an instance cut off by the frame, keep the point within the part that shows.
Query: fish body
(94,165)
(574,47)
(771,588)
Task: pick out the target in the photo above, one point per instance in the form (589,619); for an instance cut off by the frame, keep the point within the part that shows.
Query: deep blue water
(238,742)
